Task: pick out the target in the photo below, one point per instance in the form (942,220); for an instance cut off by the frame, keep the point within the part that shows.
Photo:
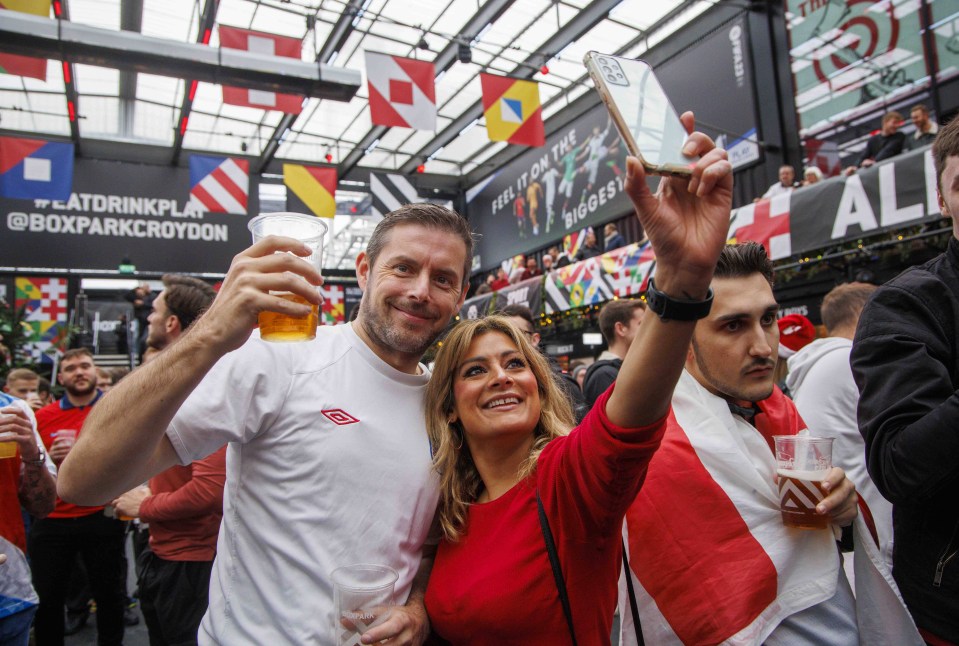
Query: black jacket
(905,359)
(600,375)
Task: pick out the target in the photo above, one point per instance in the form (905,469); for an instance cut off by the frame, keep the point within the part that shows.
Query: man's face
(23,388)
(414,288)
(158,333)
(919,119)
(787,175)
(633,328)
(547,263)
(526,328)
(78,375)
(949,192)
(734,349)
(890,126)
(590,238)
(531,264)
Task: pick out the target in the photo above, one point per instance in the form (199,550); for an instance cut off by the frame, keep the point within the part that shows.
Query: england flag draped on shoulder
(709,556)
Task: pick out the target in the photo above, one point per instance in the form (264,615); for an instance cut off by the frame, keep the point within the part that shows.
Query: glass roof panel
(99,115)
(96,80)
(159,89)
(98,13)
(173,19)
(154,123)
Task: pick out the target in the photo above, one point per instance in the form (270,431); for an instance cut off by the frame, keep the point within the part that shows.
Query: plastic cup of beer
(311,231)
(8,450)
(66,435)
(362,599)
(802,463)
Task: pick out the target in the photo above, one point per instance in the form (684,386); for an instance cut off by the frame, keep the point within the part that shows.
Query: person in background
(926,128)
(27,480)
(885,144)
(579,373)
(104,380)
(560,257)
(510,467)
(502,279)
(532,268)
(812,175)
(590,247)
(820,380)
(182,505)
(547,262)
(795,332)
(45,391)
(619,321)
(905,360)
(613,239)
(786,183)
(24,384)
(71,530)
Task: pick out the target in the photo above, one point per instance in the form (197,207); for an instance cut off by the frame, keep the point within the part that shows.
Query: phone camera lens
(607,70)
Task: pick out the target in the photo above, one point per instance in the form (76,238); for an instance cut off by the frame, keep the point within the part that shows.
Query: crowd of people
(515,503)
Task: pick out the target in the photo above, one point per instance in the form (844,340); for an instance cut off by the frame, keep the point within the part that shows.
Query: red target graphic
(866,36)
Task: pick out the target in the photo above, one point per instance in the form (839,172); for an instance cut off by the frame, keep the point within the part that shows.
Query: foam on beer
(812,476)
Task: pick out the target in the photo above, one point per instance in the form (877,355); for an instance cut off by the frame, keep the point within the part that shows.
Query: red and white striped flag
(259,42)
(402,91)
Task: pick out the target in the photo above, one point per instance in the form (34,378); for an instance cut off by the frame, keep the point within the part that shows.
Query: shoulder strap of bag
(554,563)
(632,599)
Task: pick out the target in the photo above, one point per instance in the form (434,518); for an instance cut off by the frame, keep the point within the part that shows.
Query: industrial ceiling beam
(487,14)
(207,19)
(337,38)
(586,19)
(61,40)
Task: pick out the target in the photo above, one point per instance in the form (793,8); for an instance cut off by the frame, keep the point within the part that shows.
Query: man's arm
(908,405)
(38,486)
(123,441)
(201,496)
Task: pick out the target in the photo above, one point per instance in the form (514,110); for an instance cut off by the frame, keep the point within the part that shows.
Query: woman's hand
(687,222)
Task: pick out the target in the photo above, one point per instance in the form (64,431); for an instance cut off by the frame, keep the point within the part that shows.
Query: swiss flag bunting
(259,42)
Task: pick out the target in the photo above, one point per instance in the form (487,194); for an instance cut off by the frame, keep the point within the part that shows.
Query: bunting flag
(512,110)
(402,91)
(270,45)
(35,169)
(765,222)
(219,184)
(311,188)
(45,302)
(333,310)
(35,68)
(390,192)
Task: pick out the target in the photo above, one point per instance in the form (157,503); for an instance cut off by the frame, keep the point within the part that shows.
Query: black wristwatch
(38,462)
(671,309)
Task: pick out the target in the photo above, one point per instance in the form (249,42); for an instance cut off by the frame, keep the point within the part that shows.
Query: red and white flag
(765,222)
(259,42)
(712,562)
(219,184)
(402,91)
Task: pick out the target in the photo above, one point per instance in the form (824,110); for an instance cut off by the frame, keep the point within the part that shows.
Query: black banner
(119,211)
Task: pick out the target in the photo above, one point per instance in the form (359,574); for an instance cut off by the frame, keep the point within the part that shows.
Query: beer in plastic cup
(310,230)
(8,450)
(67,434)
(362,599)
(802,463)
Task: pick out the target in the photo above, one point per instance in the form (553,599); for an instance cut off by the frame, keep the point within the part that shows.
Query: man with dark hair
(886,143)
(821,383)
(926,128)
(707,544)
(181,302)
(904,360)
(55,541)
(321,473)
(522,317)
(182,505)
(619,322)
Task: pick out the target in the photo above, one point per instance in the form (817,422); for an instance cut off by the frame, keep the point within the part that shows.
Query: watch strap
(674,309)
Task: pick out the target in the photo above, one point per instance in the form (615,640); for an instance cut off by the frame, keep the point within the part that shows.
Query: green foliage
(16,335)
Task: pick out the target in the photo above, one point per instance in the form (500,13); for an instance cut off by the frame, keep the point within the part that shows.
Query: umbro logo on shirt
(339,417)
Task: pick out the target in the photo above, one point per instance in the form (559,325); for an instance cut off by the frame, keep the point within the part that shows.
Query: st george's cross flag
(512,110)
(402,91)
(32,169)
(258,42)
(765,222)
(311,188)
(15,64)
(219,184)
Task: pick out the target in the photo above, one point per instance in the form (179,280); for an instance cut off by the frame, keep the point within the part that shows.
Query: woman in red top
(501,428)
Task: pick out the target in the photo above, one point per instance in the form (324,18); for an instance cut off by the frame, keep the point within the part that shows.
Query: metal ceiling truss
(207,19)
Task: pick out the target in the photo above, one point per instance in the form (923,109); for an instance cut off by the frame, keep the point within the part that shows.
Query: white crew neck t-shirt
(328,465)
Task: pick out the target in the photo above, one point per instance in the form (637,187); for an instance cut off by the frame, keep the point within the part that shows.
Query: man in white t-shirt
(328,461)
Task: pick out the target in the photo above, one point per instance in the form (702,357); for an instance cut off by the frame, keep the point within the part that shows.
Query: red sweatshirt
(185,509)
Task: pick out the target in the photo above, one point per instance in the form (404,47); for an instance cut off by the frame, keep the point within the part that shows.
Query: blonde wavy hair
(460,482)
